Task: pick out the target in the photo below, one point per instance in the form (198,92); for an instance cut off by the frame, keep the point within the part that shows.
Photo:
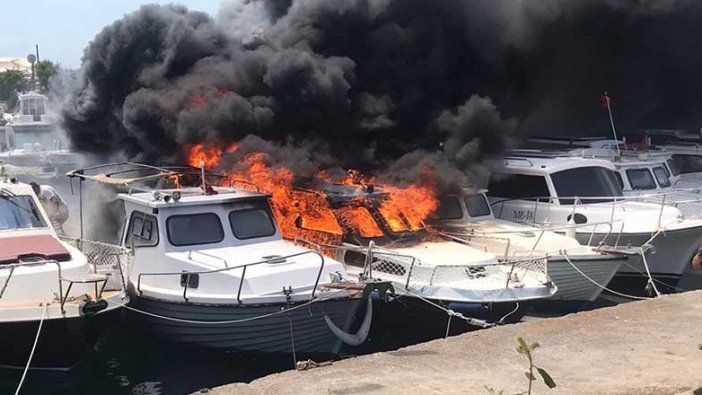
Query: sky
(63,28)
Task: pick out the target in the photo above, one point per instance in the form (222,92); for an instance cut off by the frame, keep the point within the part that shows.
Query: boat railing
(219,258)
(404,266)
(187,275)
(63,298)
(464,232)
(578,201)
(104,257)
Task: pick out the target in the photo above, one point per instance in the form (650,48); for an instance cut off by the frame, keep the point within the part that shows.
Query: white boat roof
(539,163)
(189,197)
(16,188)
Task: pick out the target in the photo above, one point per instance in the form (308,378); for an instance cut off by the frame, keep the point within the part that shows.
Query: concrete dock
(646,347)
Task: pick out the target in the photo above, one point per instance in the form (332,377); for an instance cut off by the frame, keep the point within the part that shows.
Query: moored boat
(53,300)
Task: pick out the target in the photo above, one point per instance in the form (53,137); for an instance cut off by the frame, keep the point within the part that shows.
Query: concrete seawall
(647,347)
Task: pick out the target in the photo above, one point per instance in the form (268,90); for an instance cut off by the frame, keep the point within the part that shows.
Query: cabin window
(251,223)
(19,212)
(672,167)
(194,229)
(477,205)
(619,178)
(687,163)
(597,183)
(640,179)
(518,186)
(665,170)
(661,176)
(142,231)
(449,208)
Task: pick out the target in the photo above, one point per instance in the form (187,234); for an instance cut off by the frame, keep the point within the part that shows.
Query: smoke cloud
(386,86)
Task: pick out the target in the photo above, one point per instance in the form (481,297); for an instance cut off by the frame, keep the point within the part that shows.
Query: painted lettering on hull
(523,215)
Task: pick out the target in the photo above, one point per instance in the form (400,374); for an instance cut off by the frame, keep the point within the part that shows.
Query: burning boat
(580,272)
(381,244)
(53,299)
(377,231)
(211,269)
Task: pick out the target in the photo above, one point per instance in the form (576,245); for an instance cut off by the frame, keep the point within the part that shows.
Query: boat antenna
(606,104)
(202,174)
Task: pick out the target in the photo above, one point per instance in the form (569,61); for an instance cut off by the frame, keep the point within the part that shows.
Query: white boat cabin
(538,188)
(230,239)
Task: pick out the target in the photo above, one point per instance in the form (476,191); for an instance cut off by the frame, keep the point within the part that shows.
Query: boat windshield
(477,205)
(661,176)
(640,179)
(19,212)
(194,229)
(251,223)
(594,182)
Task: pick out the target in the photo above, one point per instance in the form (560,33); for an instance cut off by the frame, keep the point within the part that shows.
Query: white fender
(361,335)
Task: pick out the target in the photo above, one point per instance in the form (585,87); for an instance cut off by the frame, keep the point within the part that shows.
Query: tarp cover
(14,248)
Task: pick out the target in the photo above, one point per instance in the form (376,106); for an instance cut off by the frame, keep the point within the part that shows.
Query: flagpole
(611,122)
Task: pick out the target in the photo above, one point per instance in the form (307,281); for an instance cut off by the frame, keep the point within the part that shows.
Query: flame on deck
(304,212)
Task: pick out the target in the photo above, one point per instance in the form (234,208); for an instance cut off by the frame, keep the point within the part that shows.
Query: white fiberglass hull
(584,277)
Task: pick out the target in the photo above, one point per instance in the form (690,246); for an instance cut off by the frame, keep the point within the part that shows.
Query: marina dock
(646,347)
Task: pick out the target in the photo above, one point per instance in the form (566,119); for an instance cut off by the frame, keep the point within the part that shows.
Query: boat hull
(62,341)
(672,253)
(572,285)
(310,333)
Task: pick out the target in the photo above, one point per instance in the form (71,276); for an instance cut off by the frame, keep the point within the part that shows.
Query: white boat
(551,190)
(31,140)
(210,269)
(429,267)
(580,272)
(50,293)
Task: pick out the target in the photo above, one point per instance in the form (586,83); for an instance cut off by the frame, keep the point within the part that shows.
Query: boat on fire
(430,270)
(50,292)
(580,272)
(550,190)
(210,269)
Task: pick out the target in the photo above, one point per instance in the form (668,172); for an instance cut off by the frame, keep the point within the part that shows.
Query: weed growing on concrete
(527,350)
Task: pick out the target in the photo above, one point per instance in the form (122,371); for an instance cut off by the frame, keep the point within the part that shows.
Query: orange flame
(209,155)
(306,213)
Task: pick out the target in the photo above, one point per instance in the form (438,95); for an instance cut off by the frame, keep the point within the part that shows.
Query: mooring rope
(31,354)
(452,313)
(564,255)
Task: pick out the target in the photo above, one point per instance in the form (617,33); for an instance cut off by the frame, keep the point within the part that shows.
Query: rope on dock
(564,255)
(31,354)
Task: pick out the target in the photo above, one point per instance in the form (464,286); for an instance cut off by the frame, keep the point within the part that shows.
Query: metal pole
(80,203)
(202,174)
(611,122)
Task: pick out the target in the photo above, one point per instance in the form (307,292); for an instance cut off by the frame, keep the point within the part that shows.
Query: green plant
(527,350)
(492,391)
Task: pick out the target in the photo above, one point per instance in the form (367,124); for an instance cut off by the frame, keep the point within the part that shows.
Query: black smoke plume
(390,86)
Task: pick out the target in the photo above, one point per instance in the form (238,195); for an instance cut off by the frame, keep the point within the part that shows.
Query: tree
(10,82)
(44,71)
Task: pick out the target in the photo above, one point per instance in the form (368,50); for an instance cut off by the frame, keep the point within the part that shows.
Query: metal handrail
(243,274)
(62,298)
(209,255)
(13,266)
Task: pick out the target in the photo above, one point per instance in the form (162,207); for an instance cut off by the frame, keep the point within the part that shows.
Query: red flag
(605,101)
